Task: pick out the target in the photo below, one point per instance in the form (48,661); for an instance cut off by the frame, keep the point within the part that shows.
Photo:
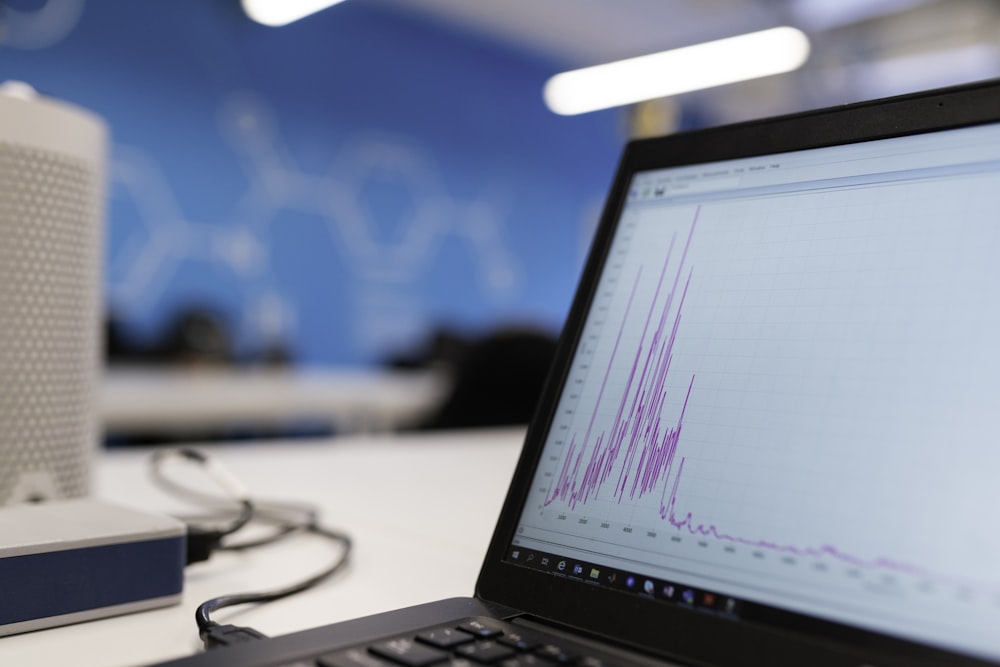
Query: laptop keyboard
(470,643)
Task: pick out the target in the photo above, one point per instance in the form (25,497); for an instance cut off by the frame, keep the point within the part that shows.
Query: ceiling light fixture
(282,12)
(677,71)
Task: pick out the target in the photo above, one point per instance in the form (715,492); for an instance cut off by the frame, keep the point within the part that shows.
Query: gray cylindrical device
(52,203)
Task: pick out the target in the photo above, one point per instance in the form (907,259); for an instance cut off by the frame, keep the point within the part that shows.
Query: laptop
(770,433)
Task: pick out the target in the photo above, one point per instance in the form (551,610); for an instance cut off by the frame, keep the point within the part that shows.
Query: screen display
(786,394)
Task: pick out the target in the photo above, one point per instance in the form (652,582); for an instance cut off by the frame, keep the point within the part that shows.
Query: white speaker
(52,197)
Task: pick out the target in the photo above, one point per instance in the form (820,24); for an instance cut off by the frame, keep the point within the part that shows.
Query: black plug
(217,635)
(201,542)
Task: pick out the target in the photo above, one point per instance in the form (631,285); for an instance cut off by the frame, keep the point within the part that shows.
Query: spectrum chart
(638,427)
(775,386)
(637,454)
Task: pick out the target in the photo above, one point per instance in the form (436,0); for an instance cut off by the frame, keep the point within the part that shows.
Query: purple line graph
(688,523)
(637,454)
(638,435)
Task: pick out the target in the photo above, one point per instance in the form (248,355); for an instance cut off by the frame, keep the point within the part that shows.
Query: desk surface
(420,508)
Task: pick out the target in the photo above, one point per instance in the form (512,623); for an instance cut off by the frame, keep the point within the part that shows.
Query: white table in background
(184,401)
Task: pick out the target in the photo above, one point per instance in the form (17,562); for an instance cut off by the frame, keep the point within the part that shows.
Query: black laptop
(771,435)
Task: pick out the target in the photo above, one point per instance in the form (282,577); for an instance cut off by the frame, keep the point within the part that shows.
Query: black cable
(277,535)
(203,540)
(277,513)
(287,518)
(209,629)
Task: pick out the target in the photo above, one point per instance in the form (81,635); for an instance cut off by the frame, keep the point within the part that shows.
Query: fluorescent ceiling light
(678,71)
(282,12)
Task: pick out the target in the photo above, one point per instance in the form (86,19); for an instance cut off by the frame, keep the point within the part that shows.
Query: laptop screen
(784,402)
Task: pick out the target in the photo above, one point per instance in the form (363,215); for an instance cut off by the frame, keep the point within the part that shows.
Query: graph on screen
(638,427)
(787,386)
(636,455)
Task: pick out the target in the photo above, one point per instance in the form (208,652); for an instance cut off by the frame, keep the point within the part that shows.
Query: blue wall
(345,184)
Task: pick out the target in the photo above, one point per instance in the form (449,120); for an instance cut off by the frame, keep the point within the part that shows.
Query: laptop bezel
(655,626)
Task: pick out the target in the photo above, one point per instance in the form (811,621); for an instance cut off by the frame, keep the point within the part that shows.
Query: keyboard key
(476,642)
(355,657)
(409,653)
(520,641)
(480,629)
(445,637)
(485,652)
(555,654)
(526,661)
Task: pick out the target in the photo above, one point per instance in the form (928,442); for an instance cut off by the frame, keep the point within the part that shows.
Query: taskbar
(641,585)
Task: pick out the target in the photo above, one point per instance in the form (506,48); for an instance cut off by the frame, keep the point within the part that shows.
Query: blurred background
(381,185)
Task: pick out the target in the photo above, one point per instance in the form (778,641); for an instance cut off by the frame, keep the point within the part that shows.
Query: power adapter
(68,561)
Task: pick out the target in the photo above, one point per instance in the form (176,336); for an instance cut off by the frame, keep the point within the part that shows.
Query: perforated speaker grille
(49,263)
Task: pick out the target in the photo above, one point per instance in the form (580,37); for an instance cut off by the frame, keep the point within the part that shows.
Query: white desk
(420,509)
(184,401)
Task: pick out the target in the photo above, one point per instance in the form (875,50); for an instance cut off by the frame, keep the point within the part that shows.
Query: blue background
(344,185)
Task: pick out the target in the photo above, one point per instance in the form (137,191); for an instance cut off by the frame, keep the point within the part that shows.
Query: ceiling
(576,33)
(861,48)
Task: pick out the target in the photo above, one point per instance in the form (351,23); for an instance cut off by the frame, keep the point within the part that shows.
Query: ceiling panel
(859,46)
